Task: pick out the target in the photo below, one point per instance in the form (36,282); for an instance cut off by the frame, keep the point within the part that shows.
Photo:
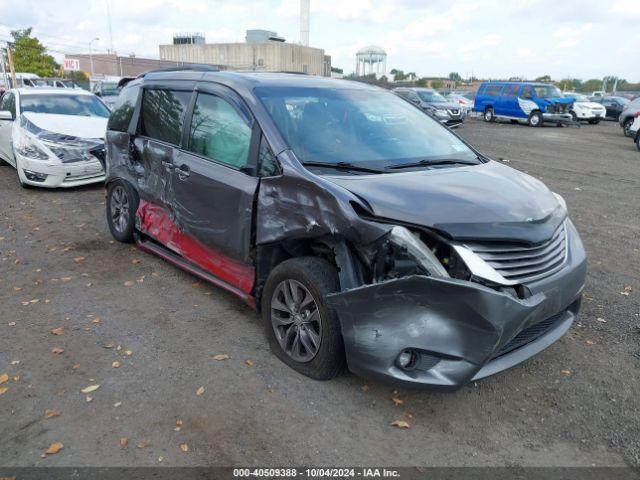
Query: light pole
(91,54)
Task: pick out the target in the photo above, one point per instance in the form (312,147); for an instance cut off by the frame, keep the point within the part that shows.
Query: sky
(489,38)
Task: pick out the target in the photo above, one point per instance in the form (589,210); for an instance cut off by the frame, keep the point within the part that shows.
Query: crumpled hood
(489,201)
(72,125)
(559,101)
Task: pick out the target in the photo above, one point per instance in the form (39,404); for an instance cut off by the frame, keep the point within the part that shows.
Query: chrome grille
(520,264)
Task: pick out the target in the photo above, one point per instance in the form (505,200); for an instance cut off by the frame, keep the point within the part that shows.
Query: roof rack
(194,67)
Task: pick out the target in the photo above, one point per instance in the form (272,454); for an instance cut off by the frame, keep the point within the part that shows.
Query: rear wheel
(535,119)
(626,127)
(122,203)
(489,115)
(303,330)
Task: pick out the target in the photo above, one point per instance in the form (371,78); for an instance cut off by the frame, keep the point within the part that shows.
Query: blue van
(534,103)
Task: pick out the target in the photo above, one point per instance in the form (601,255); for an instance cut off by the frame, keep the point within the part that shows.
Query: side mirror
(6,115)
(98,93)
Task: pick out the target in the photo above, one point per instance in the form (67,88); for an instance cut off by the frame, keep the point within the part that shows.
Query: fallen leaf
(4,378)
(565,372)
(96,320)
(76,366)
(57,350)
(250,363)
(128,353)
(88,398)
(78,259)
(124,441)
(400,424)
(108,345)
(54,448)
(200,391)
(15,362)
(601,320)
(58,331)
(220,356)
(160,458)
(66,279)
(116,364)
(590,342)
(35,300)
(365,388)
(144,444)
(397,401)
(90,388)
(52,413)
(626,291)
(117,404)
(135,261)
(128,283)
(12,324)
(179,423)
(16,379)
(184,447)
(3,390)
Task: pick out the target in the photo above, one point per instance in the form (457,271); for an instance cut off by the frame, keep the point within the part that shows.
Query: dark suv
(364,231)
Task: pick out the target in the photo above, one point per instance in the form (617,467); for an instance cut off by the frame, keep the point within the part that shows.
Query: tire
(121,206)
(488,115)
(596,121)
(626,127)
(535,119)
(593,122)
(575,117)
(319,278)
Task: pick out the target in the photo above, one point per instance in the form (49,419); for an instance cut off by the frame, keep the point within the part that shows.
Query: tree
(29,55)
(422,82)
(592,85)
(437,83)
(398,75)
(455,76)
(573,84)
(544,79)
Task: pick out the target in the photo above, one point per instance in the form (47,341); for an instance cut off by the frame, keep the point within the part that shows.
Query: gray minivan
(365,232)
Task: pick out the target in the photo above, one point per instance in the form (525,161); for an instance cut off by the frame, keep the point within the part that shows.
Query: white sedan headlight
(29,146)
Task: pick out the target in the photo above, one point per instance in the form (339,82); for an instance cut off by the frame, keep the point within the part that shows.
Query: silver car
(627,116)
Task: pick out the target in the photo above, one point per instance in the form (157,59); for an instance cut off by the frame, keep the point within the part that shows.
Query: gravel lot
(574,404)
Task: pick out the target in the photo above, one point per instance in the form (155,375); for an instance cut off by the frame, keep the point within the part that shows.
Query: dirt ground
(574,404)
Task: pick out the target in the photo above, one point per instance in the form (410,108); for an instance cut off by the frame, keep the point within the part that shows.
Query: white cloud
(491,40)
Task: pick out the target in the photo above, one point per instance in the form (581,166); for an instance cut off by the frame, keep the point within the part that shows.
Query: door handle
(184,171)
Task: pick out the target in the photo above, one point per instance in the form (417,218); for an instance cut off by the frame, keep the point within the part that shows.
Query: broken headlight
(403,253)
(28,146)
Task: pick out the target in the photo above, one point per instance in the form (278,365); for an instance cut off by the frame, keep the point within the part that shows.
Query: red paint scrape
(155,222)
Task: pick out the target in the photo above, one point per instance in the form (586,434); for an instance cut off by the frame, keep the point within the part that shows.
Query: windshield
(547,91)
(578,97)
(431,96)
(64,104)
(107,89)
(360,127)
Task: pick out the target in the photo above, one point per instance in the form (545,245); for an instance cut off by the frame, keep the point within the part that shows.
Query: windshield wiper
(343,166)
(426,162)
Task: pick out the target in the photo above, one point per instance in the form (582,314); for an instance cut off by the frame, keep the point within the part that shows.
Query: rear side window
(123,109)
(493,90)
(511,91)
(219,132)
(527,91)
(163,114)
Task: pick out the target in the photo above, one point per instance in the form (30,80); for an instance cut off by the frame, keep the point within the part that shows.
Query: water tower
(371,59)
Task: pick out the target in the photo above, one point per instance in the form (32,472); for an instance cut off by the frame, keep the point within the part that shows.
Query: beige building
(101,64)
(271,56)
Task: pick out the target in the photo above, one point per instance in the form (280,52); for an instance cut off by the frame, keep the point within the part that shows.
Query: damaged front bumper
(559,118)
(457,331)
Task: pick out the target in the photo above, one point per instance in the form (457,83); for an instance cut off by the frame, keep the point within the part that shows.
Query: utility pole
(12,67)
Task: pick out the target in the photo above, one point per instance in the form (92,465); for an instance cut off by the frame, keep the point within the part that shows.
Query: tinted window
(431,96)
(123,109)
(357,126)
(163,114)
(511,90)
(64,104)
(219,132)
(493,90)
(8,103)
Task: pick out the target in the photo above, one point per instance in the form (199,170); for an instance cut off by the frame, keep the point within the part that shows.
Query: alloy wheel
(119,205)
(295,319)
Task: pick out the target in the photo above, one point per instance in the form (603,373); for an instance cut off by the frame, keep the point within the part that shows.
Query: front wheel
(535,119)
(303,330)
(122,203)
(626,127)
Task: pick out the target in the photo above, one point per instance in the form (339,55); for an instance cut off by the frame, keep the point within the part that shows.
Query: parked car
(613,104)
(535,103)
(626,118)
(363,230)
(584,109)
(445,111)
(634,130)
(465,104)
(53,137)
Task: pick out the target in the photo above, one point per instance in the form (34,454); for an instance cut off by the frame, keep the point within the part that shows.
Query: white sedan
(53,137)
(585,109)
